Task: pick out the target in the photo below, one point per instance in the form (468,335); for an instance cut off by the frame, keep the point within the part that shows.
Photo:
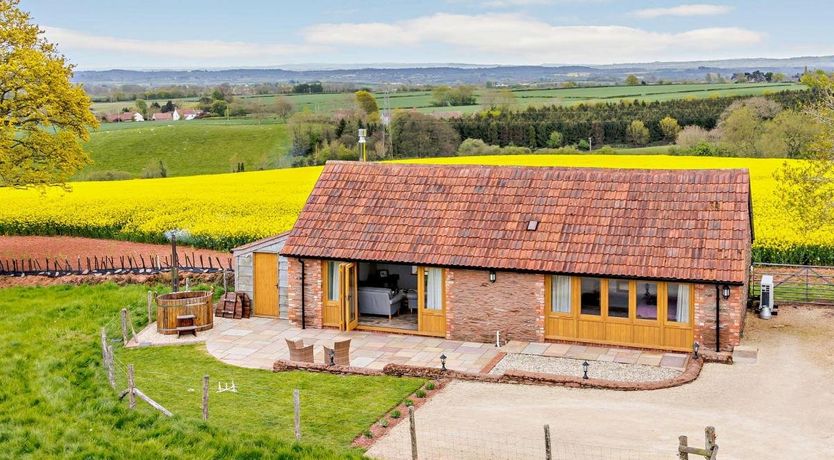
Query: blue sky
(215,34)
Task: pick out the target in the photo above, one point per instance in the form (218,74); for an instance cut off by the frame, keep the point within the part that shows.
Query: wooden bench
(185,325)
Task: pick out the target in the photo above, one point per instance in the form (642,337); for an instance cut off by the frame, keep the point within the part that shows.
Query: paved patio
(259,342)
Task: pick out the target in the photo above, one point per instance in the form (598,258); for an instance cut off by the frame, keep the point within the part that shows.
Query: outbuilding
(643,258)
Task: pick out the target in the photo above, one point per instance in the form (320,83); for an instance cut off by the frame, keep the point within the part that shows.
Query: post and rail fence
(116,265)
(802,284)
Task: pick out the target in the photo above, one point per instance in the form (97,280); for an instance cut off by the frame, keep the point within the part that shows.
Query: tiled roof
(661,224)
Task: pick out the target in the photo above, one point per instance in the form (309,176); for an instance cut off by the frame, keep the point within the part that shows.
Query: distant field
(188,147)
(421,100)
(221,211)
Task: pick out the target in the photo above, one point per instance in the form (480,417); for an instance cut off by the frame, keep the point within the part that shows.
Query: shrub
(430,386)
(555,140)
(155,169)
(108,175)
(477,147)
(691,136)
(584,145)
(396,413)
(408,403)
(606,150)
(637,133)
(670,128)
(383,423)
(368,434)
(420,393)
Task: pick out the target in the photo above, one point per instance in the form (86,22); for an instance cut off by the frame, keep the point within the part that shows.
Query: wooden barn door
(266,284)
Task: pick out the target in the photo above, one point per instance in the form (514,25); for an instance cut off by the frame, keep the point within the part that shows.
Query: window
(590,297)
(332,280)
(560,298)
(646,300)
(618,298)
(677,308)
(433,288)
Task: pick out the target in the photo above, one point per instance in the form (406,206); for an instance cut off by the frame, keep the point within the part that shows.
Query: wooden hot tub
(170,306)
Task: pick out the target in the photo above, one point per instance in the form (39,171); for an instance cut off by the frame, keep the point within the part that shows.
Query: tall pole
(174,275)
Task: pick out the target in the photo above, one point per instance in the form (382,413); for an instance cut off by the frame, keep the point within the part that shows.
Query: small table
(185,325)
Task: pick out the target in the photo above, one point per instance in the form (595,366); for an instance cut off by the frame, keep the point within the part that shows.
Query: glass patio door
(348,301)
(431,301)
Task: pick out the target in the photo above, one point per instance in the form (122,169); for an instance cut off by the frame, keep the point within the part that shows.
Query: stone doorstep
(745,354)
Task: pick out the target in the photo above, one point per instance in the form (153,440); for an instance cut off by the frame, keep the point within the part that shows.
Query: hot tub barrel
(197,303)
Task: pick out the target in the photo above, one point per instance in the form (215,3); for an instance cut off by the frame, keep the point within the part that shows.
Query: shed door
(266,284)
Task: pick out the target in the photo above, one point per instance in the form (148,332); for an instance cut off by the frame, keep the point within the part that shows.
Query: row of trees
(604,123)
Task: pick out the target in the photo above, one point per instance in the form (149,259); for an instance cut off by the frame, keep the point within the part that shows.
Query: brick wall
(731,311)
(312,292)
(476,308)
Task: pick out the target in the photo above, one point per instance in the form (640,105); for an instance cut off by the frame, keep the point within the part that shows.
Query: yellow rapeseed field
(221,211)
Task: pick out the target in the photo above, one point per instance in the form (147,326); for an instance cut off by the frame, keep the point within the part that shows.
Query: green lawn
(188,147)
(55,401)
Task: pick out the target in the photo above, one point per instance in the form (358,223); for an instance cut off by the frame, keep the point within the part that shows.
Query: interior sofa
(379,301)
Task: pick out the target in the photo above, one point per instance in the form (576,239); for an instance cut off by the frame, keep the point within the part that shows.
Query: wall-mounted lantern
(492,276)
(725,292)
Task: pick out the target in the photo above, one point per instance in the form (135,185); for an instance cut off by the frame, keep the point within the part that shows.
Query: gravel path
(598,369)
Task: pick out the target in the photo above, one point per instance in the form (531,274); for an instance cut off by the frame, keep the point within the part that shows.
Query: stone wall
(312,292)
(476,308)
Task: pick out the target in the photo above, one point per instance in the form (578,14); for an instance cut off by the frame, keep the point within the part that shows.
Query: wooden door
(348,301)
(331,288)
(431,311)
(265,289)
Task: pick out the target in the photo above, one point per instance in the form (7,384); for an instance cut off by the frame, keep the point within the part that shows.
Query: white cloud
(695,9)
(68,39)
(522,38)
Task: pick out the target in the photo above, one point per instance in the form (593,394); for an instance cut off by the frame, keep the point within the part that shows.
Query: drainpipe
(303,318)
(717,319)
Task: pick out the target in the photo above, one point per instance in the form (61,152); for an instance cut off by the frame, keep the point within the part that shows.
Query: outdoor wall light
(492,276)
(332,353)
(725,292)
(442,361)
(695,347)
(585,367)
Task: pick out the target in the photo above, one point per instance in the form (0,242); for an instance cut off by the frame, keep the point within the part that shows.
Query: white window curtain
(434,288)
(683,304)
(560,294)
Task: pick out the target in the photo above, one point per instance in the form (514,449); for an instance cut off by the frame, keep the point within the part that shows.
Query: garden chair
(298,352)
(340,353)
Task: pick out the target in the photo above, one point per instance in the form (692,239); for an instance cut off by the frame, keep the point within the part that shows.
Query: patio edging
(690,373)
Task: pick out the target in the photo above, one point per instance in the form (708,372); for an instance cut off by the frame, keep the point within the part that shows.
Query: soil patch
(71,248)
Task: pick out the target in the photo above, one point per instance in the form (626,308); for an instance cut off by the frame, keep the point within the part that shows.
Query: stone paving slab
(258,342)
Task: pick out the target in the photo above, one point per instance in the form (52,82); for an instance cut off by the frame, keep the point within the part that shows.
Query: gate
(808,284)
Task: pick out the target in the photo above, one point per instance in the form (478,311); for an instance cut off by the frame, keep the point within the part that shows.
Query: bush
(704,149)
(606,150)
(108,175)
(691,136)
(637,133)
(420,393)
(584,145)
(368,434)
(383,423)
(396,413)
(477,147)
(555,140)
(155,169)
(408,403)
(430,386)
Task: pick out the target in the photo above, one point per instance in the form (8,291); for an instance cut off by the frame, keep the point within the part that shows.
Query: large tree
(45,117)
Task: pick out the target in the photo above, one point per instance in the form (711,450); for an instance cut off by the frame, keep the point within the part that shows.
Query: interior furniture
(379,301)
(340,353)
(298,352)
(411,300)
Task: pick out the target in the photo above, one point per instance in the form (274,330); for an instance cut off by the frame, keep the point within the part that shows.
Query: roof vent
(532,225)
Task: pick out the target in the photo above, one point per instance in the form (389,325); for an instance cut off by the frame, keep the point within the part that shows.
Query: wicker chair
(298,352)
(341,352)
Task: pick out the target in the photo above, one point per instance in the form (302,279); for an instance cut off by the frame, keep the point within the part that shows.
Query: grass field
(421,100)
(188,147)
(55,401)
(221,211)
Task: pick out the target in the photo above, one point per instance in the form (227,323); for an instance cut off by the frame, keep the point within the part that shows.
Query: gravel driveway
(781,407)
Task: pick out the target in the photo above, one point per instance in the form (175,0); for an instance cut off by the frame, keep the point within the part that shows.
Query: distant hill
(456,73)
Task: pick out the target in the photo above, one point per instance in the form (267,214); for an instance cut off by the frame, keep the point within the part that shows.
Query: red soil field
(71,248)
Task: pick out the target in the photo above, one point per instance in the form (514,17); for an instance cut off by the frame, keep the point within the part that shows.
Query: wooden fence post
(709,442)
(150,308)
(124,326)
(296,399)
(205,396)
(413,429)
(107,358)
(131,387)
(682,445)
(547,451)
